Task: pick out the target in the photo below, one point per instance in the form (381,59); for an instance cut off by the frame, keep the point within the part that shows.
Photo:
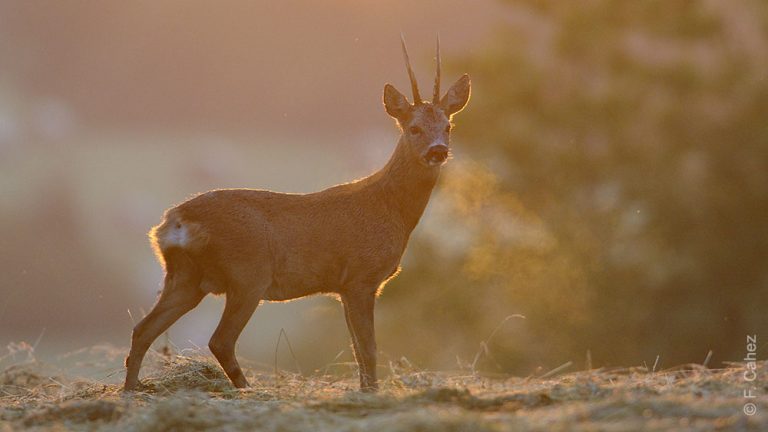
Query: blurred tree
(626,211)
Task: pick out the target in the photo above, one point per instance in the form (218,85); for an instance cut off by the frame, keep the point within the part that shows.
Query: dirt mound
(190,393)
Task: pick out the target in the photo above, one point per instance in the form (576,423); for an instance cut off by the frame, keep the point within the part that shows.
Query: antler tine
(411,75)
(436,93)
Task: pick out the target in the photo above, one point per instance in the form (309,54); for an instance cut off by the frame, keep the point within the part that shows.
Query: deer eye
(414,130)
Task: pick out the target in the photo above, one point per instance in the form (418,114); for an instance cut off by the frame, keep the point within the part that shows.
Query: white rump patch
(177,235)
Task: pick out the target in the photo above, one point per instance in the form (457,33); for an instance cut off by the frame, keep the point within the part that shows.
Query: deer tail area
(175,233)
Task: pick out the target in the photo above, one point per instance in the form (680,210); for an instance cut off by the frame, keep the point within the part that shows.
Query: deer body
(254,245)
(350,234)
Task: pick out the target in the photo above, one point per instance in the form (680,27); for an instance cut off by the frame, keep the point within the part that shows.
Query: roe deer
(254,245)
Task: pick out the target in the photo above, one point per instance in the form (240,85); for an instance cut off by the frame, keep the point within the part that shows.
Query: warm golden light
(591,254)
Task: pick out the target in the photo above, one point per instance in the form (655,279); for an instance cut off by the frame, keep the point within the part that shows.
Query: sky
(301,66)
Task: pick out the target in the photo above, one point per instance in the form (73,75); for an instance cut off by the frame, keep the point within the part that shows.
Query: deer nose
(437,153)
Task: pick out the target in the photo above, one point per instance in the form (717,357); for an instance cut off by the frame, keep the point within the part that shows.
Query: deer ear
(395,103)
(457,96)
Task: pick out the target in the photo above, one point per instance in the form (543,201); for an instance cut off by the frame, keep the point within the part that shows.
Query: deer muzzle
(436,154)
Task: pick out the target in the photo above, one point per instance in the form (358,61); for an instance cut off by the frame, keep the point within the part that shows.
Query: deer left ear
(395,103)
(457,96)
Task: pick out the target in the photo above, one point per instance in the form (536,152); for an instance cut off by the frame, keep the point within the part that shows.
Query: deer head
(426,126)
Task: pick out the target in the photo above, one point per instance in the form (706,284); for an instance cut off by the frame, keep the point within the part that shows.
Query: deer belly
(279,292)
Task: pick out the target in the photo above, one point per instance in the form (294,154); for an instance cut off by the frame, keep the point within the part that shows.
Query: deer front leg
(179,296)
(237,311)
(358,311)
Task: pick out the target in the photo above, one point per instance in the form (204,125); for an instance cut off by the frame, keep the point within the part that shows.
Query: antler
(436,93)
(411,75)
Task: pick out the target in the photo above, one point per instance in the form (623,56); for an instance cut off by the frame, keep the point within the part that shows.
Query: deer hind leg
(238,309)
(358,311)
(180,295)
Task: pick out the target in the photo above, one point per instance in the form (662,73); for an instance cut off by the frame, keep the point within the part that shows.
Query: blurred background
(609,184)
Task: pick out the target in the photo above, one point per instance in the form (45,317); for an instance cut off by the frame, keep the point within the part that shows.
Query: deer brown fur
(253,245)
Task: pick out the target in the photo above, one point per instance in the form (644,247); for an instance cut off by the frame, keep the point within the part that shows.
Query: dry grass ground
(183,393)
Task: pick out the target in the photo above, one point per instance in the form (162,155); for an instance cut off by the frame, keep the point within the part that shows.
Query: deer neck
(406,185)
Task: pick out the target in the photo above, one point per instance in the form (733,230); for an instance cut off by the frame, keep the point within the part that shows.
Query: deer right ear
(457,96)
(395,103)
